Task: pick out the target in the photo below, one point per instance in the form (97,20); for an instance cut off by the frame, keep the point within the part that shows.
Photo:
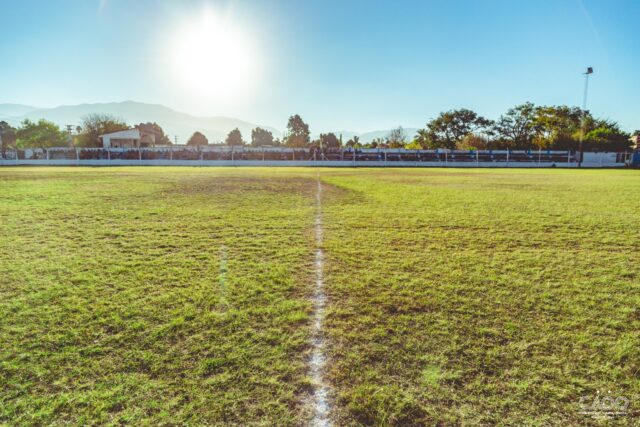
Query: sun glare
(214,59)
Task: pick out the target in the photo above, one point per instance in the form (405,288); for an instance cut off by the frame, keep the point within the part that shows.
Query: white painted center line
(318,360)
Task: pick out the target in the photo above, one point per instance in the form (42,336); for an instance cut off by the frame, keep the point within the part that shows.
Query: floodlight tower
(584,112)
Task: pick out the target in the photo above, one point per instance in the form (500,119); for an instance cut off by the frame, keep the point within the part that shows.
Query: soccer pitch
(187,296)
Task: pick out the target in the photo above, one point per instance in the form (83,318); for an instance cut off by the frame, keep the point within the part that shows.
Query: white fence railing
(283,156)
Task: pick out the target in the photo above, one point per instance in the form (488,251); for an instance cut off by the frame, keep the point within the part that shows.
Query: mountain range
(177,125)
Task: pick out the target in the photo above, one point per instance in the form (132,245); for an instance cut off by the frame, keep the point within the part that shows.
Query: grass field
(177,296)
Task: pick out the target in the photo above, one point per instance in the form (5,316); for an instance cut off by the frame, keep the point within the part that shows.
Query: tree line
(45,134)
(297,135)
(522,127)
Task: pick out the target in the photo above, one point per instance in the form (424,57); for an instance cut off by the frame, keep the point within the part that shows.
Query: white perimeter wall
(299,163)
(591,160)
(598,159)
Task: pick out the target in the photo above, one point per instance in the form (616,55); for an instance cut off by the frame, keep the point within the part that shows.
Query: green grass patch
(181,296)
(475,297)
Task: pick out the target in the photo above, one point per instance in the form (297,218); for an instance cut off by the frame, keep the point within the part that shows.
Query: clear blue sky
(342,64)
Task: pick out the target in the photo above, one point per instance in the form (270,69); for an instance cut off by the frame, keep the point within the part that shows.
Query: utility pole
(584,112)
(69,128)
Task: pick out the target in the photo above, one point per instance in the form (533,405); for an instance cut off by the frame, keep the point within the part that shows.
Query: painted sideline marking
(318,359)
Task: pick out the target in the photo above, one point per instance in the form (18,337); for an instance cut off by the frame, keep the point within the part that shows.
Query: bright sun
(213,59)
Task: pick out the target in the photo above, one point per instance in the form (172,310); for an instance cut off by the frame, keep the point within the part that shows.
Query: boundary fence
(286,156)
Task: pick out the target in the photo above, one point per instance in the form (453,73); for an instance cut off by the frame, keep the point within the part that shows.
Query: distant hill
(9,111)
(174,123)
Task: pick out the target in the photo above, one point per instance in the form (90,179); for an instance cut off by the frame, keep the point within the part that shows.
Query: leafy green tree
(559,127)
(375,143)
(396,138)
(413,145)
(198,138)
(329,140)
(353,142)
(154,128)
(298,134)
(234,138)
(607,137)
(474,142)
(95,125)
(7,137)
(517,128)
(450,127)
(40,134)
(425,140)
(261,137)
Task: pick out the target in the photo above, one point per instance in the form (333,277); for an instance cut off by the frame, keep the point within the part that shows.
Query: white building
(130,138)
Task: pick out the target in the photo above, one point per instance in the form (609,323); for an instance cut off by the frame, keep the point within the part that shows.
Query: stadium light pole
(584,112)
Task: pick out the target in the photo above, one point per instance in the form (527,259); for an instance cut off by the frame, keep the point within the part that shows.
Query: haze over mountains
(174,123)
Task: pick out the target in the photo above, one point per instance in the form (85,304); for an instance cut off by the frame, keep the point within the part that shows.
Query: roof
(128,133)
